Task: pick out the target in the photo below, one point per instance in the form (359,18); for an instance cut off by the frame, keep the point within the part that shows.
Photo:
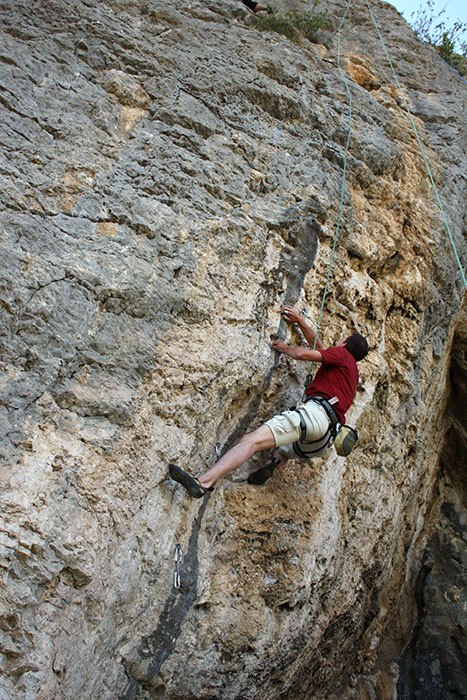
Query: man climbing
(301,433)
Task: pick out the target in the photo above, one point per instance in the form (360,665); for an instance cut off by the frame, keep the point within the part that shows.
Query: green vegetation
(293,25)
(448,42)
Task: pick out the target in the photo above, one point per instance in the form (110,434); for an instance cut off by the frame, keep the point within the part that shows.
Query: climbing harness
(304,448)
(178,558)
(308,454)
(344,436)
(328,407)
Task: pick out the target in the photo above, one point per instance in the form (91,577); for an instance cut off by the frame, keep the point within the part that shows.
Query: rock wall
(431,664)
(170,176)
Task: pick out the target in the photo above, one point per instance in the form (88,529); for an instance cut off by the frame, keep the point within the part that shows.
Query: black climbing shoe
(189,482)
(262,475)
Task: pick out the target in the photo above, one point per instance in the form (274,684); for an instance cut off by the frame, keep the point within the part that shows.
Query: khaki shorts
(286,429)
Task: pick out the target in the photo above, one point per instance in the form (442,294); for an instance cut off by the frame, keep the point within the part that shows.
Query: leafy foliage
(293,25)
(445,40)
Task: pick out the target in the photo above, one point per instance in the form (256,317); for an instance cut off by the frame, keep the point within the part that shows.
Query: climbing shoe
(262,475)
(188,482)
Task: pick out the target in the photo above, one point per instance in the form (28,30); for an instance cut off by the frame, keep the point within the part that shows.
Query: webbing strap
(305,455)
(303,431)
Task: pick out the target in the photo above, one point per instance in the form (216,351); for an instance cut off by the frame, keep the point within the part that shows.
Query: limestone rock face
(170,176)
(432,663)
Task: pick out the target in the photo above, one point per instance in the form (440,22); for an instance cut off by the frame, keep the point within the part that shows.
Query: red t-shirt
(337,376)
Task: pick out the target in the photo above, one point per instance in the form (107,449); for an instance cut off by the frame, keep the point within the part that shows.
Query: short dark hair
(357,345)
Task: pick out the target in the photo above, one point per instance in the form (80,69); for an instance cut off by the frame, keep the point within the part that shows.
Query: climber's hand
(290,315)
(280,346)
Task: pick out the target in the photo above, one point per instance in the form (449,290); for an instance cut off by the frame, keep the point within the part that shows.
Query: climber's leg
(260,439)
(257,441)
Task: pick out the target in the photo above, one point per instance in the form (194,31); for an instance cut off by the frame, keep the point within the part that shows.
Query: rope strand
(420,145)
(344,173)
(341,204)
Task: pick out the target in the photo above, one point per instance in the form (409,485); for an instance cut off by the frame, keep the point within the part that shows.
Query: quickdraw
(178,558)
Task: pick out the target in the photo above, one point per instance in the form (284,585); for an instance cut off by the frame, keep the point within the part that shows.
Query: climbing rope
(342,194)
(420,145)
(344,172)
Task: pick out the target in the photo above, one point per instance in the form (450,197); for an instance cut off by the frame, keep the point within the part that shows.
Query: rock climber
(300,433)
(257,7)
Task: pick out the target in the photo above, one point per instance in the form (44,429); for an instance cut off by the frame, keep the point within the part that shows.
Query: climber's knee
(260,439)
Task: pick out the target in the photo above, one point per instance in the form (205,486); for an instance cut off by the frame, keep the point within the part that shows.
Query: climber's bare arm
(297,353)
(291,316)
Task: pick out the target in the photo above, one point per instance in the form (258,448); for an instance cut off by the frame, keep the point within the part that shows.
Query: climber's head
(357,345)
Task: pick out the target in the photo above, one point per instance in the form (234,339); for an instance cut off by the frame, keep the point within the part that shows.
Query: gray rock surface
(432,664)
(169,176)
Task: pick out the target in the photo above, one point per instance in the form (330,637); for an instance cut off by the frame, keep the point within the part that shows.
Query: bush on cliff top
(447,41)
(293,25)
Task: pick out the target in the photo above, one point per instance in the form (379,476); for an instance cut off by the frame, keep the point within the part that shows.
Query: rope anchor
(178,558)
(304,312)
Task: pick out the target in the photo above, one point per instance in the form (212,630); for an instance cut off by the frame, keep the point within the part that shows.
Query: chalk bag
(345,440)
